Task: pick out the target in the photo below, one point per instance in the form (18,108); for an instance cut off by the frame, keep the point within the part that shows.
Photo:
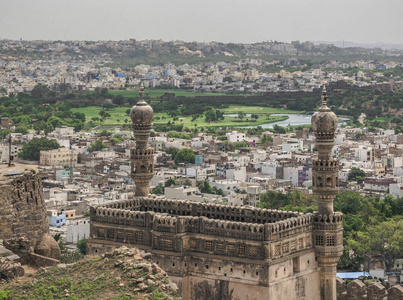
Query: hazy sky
(204,20)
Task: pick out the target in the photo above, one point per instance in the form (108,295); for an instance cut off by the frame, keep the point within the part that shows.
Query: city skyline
(224,21)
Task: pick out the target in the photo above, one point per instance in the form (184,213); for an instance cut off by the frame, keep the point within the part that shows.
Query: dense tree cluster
(32,149)
(97,146)
(371,224)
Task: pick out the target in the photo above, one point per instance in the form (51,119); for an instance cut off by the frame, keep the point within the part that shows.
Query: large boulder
(47,246)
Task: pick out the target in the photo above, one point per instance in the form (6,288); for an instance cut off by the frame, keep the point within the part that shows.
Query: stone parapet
(172,225)
(369,290)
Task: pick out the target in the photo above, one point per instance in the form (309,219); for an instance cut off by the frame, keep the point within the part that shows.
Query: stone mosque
(224,252)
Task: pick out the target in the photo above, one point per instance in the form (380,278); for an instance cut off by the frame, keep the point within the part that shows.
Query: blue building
(56,218)
(199,159)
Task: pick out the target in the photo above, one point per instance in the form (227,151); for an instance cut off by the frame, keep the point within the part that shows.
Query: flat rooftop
(16,169)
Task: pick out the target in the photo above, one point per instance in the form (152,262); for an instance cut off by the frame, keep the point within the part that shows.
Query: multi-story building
(59,157)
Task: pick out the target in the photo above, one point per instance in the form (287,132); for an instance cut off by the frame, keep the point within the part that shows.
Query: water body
(293,120)
(236,115)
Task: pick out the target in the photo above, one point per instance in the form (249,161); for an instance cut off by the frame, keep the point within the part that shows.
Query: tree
(118,100)
(210,116)
(97,146)
(173,151)
(31,150)
(117,139)
(356,174)
(185,156)
(82,246)
(170,182)
(105,133)
(159,190)
(266,139)
(21,129)
(241,115)
(206,188)
(279,129)
(385,238)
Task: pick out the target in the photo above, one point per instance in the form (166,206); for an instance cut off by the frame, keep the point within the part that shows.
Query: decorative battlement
(142,153)
(324,135)
(142,127)
(319,163)
(209,210)
(358,289)
(156,219)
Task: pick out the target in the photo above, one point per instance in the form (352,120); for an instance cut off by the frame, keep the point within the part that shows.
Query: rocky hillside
(123,274)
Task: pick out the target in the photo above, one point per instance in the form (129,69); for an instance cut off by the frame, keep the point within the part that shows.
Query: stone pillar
(328,226)
(142,157)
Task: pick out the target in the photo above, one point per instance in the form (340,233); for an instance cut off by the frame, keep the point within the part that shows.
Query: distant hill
(346,44)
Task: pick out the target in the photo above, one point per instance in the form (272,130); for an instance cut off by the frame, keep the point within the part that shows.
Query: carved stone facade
(215,250)
(142,157)
(328,226)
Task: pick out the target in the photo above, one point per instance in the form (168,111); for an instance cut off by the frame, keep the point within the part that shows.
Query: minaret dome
(142,114)
(324,121)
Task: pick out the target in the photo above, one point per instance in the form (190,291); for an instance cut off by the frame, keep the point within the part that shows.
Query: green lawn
(151,93)
(201,122)
(119,113)
(234,109)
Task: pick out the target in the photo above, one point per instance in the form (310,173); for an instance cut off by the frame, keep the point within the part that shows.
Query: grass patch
(118,116)
(87,279)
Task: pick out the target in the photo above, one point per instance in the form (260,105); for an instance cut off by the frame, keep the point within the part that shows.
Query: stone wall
(23,221)
(23,210)
(214,229)
(215,251)
(366,289)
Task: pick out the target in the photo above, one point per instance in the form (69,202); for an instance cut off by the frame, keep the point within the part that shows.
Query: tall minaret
(142,157)
(328,226)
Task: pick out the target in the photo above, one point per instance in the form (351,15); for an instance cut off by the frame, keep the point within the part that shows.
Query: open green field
(117,113)
(234,109)
(151,93)
(118,116)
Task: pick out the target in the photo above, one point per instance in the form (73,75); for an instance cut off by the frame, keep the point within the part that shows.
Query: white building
(235,136)
(77,230)
(253,192)
(292,145)
(201,173)
(364,153)
(238,174)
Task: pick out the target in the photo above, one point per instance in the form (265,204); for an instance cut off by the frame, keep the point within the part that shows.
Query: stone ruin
(24,228)
(365,289)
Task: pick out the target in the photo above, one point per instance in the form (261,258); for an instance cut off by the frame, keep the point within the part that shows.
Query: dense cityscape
(200,170)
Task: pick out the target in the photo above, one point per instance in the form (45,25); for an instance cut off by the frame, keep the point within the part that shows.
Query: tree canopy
(31,150)
(97,146)
(356,174)
(185,156)
(385,238)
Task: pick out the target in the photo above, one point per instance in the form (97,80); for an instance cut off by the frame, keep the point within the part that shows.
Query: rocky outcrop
(119,274)
(9,269)
(131,260)
(48,247)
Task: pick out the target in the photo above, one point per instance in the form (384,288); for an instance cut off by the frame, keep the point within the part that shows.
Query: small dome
(324,121)
(142,113)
